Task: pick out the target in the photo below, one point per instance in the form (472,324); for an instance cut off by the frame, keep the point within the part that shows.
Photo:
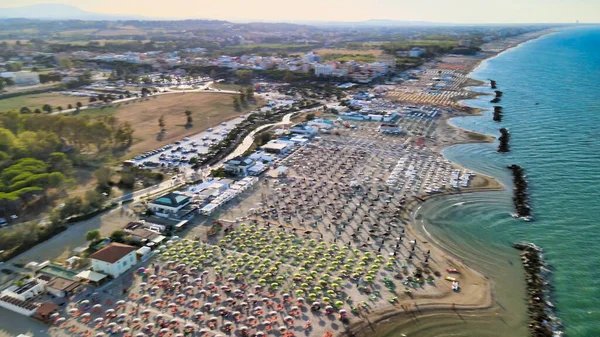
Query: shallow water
(552,108)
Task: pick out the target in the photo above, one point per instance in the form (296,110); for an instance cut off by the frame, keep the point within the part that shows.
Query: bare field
(208,110)
(121,31)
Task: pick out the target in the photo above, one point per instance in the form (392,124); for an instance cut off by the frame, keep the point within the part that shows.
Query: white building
(388,60)
(417,52)
(321,123)
(278,146)
(114,259)
(323,69)
(22,78)
(378,67)
(238,165)
(311,57)
(170,203)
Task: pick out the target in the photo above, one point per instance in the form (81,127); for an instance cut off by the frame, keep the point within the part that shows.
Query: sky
(454,11)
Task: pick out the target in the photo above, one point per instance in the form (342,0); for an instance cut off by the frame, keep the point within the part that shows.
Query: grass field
(325,51)
(36,101)
(208,110)
(224,86)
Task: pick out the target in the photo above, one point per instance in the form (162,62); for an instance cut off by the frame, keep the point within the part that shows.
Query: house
(170,203)
(27,291)
(145,236)
(238,165)
(17,305)
(114,259)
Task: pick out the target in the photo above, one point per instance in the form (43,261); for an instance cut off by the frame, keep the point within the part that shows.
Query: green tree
(70,106)
(59,108)
(58,162)
(25,110)
(189,120)
(7,140)
(72,206)
(124,134)
(250,93)
(47,108)
(78,104)
(94,199)
(98,133)
(14,66)
(188,113)
(118,236)
(66,63)
(236,104)
(2,84)
(161,123)
(310,117)
(92,236)
(103,176)
(244,76)
(37,111)
(289,77)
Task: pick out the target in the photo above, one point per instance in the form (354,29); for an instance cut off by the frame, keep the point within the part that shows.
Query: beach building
(27,291)
(114,259)
(321,123)
(303,129)
(278,146)
(390,128)
(323,69)
(18,306)
(61,287)
(170,203)
(238,165)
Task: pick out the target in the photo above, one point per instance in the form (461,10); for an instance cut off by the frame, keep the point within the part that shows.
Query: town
(217,182)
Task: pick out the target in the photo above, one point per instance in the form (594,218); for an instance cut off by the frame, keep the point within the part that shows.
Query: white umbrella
(99,319)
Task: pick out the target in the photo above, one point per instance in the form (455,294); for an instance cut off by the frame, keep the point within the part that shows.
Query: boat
(455,286)
(450,278)
(527,218)
(514,215)
(452,270)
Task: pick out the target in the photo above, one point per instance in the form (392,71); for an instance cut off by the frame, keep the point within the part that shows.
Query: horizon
(434,11)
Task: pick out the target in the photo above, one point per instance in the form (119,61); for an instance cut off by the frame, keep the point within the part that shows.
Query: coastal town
(245,193)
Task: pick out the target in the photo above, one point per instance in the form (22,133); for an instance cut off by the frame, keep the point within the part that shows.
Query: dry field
(120,31)
(36,101)
(208,110)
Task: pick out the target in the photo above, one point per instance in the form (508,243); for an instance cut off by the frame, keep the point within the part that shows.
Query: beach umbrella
(87,314)
(72,310)
(99,319)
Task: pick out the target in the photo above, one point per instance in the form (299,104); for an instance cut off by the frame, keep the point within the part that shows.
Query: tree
(47,108)
(25,110)
(161,123)
(243,100)
(14,66)
(7,140)
(58,162)
(2,84)
(66,63)
(92,236)
(72,206)
(118,236)
(188,113)
(236,104)
(124,134)
(244,76)
(310,117)
(189,120)
(94,199)
(37,111)
(103,176)
(59,108)
(250,93)
(289,77)
(70,106)
(213,74)
(78,104)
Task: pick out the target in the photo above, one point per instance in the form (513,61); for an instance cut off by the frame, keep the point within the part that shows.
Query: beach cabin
(170,203)
(114,259)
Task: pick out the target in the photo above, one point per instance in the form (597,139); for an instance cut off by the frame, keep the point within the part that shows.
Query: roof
(172,200)
(46,308)
(60,283)
(90,276)
(112,253)
(144,233)
(17,302)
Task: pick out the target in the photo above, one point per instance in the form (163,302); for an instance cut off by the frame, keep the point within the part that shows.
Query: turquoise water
(557,141)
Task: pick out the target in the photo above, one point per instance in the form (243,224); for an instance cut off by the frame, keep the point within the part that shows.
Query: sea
(551,106)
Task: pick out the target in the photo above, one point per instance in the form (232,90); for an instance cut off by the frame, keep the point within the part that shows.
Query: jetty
(543,322)
(504,140)
(521,196)
(497,114)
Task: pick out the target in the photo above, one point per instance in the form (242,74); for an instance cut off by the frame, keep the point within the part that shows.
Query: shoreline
(365,326)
